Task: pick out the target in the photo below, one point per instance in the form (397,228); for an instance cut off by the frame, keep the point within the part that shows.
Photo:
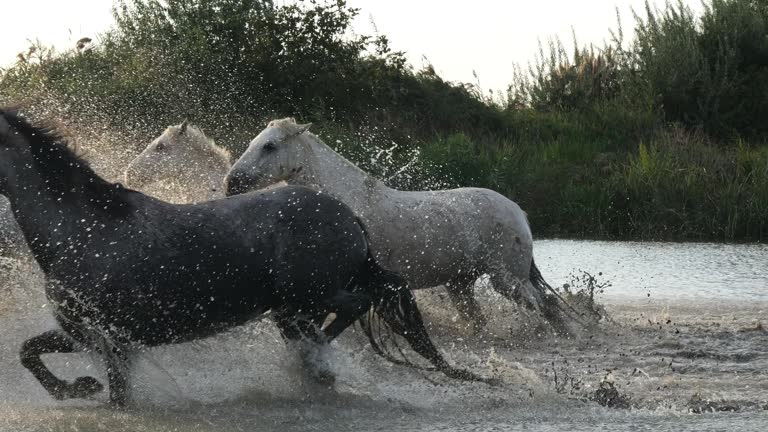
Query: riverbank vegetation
(659,137)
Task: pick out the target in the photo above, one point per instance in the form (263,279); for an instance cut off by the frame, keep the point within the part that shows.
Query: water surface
(698,343)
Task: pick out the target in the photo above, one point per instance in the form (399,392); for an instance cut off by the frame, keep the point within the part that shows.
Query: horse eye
(159,146)
(269,146)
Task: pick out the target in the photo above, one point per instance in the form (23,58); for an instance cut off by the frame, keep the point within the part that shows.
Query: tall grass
(677,185)
(660,137)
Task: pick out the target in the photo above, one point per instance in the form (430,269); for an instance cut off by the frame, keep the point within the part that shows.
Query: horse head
(27,152)
(181,152)
(37,162)
(278,154)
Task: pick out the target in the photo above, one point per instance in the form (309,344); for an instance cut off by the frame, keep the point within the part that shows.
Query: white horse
(448,237)
(181,165)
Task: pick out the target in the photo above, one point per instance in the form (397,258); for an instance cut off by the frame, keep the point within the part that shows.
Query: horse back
(185,270)
(428,235)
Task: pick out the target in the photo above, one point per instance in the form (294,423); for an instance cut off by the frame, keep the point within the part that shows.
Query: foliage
(674,185)
(708,72)
(559,83)
(660,137)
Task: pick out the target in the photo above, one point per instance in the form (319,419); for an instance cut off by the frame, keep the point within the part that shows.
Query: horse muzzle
(236,183)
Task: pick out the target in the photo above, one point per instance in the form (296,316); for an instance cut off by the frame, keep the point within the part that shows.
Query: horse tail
(385,286)
(538,280)
(394,312)
(554,307)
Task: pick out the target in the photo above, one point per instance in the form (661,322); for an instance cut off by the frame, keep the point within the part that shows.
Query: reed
(660,137)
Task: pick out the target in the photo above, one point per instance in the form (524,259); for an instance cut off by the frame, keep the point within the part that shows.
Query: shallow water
(680,272)
(698,343)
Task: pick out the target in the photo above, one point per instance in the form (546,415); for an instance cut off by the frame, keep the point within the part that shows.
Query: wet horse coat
(449,237)
(127,269)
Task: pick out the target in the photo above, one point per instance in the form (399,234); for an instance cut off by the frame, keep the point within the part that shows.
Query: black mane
(64,172)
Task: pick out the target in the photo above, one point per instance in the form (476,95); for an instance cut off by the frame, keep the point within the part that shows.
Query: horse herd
(329,247)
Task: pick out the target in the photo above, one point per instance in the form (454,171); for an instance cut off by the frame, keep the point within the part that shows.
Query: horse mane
(200,140)
(289,126)
(63,171)
(293,129)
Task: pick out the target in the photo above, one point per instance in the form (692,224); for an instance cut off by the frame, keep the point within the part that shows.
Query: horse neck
(49,223)
(334,174)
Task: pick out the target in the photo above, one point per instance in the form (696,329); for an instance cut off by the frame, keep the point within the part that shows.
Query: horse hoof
(84,387)
(324,377)
(464,375)
(459,374)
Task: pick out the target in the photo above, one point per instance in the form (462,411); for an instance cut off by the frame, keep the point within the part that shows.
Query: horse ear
(304,127)
(183,127)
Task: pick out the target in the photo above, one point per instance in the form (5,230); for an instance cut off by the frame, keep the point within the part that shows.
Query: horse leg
(117,372)
(461,291)
(348,307)
(402,315)
(55,341)
(519,290)
(510,271)
(311,339)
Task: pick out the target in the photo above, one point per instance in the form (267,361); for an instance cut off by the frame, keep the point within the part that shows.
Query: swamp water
(685,347)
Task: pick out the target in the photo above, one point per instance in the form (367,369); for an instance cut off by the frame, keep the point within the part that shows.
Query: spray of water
(663,359)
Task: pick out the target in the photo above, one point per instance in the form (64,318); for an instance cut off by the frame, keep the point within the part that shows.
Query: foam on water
(669,358)
(698,344)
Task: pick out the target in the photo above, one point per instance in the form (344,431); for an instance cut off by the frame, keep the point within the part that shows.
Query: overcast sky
(457,36)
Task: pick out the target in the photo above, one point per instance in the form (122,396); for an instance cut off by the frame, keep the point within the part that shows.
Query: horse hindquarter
(433,238)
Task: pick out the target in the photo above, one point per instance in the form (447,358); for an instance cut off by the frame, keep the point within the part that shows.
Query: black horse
(128,270)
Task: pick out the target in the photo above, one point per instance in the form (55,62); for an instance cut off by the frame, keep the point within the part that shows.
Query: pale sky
(459,36)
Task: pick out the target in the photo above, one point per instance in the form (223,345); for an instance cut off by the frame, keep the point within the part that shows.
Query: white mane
(288,125)
(197,138)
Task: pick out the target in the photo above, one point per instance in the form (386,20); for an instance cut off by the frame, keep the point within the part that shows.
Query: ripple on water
(670,355)
(698,272)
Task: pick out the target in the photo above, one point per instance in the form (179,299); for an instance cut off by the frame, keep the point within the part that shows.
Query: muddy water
(685,348)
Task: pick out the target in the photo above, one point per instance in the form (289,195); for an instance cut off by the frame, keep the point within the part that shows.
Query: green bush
(557,82)
(662,137)
(708,72)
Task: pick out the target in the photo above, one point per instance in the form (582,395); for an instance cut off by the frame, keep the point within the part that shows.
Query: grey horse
(181,165)
(449,237)
(127,270)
